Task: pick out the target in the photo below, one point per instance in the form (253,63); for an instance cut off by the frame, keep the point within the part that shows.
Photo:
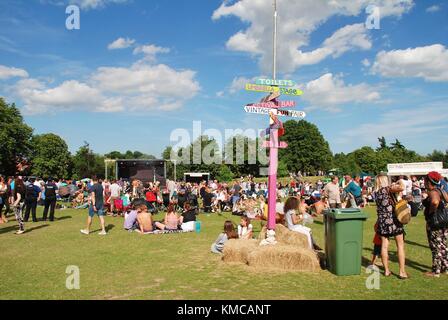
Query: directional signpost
(270,105)
(278,112)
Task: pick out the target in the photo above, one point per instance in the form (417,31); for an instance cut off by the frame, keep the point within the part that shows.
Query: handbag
(439,219)
(401,209)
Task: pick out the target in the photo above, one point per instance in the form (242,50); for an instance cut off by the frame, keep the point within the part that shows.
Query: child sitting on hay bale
(229,233)
(245,229)
(294,220)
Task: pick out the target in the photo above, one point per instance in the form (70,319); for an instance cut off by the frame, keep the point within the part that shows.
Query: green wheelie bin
(343,240)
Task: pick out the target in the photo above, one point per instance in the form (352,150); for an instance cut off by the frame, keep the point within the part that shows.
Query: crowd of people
(298,204)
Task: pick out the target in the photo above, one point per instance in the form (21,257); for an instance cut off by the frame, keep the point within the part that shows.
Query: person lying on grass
(144,220)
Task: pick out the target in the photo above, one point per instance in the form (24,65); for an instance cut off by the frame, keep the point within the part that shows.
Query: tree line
(308,152)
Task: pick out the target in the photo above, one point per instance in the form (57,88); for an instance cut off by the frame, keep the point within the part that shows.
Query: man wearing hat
(437,237)
(50,198)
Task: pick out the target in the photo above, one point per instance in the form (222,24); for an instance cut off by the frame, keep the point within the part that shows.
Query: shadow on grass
(108,228)
(393,257)
(16,228)
(412,243)
(63,218)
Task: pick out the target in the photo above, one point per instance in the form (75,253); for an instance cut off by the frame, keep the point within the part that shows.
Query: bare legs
(401,255)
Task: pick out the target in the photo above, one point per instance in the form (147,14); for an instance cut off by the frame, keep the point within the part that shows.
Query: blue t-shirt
(443,185)
(354,189)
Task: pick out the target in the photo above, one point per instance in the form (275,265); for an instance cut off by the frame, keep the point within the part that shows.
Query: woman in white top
(293,219)
(245,229)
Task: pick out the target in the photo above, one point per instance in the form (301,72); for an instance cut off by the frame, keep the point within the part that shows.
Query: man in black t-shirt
(207,200)
(50,199)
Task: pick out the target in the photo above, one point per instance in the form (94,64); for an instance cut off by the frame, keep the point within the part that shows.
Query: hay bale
(285,236)
(237,250)
(284,257)
(262,234)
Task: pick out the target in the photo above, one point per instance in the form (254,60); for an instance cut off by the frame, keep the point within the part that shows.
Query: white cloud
(429,63)
(366,63)
(121,43)
(297,21)
(433,9)
(95,4)
(238,84)
(159,81)
(329,92)
(150,51)
(38,98)
(11,72)
(141,87)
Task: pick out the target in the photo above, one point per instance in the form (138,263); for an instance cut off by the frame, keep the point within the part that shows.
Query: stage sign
(284,113)
(280,83)
(262,88)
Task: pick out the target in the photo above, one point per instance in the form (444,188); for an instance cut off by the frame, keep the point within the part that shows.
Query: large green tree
(87,164)
(439,156)
(242,155)
(307,151)
(15,138)
(50,156)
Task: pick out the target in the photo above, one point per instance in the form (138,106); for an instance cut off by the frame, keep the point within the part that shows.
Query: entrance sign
(281,83)
(284,113)
(263,88)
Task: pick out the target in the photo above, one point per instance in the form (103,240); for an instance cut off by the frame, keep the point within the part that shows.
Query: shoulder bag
(401,209)
(439,219)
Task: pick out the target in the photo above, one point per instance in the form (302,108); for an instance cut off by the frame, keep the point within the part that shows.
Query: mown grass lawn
(125,265)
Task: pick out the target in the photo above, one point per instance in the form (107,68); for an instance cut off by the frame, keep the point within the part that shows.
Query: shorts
(377,250)
(99,212)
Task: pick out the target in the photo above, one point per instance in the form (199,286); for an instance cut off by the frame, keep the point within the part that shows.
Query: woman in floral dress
(388,225)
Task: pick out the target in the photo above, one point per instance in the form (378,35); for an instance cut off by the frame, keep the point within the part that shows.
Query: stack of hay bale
(291,252)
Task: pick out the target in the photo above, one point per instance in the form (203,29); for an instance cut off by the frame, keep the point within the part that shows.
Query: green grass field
(126,265)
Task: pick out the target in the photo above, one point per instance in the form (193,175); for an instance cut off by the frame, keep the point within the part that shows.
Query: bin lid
(346,214)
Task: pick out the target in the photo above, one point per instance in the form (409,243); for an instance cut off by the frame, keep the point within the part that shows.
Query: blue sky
(180,61)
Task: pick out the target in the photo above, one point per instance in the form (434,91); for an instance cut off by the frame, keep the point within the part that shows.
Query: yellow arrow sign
(263,88)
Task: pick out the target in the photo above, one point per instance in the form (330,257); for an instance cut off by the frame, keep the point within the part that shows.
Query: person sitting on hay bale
(294,217)
(229,233)
(245,229)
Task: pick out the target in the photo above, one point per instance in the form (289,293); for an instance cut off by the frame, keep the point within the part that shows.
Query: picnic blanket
(165,231)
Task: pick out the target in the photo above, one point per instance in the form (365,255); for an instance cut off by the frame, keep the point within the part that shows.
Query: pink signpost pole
(272,179)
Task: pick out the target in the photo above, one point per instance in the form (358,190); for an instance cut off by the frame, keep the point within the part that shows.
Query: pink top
(171,221)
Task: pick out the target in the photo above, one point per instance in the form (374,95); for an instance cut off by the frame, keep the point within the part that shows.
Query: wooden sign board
(284,113)
(279,104)
(280,83)
(263,88)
